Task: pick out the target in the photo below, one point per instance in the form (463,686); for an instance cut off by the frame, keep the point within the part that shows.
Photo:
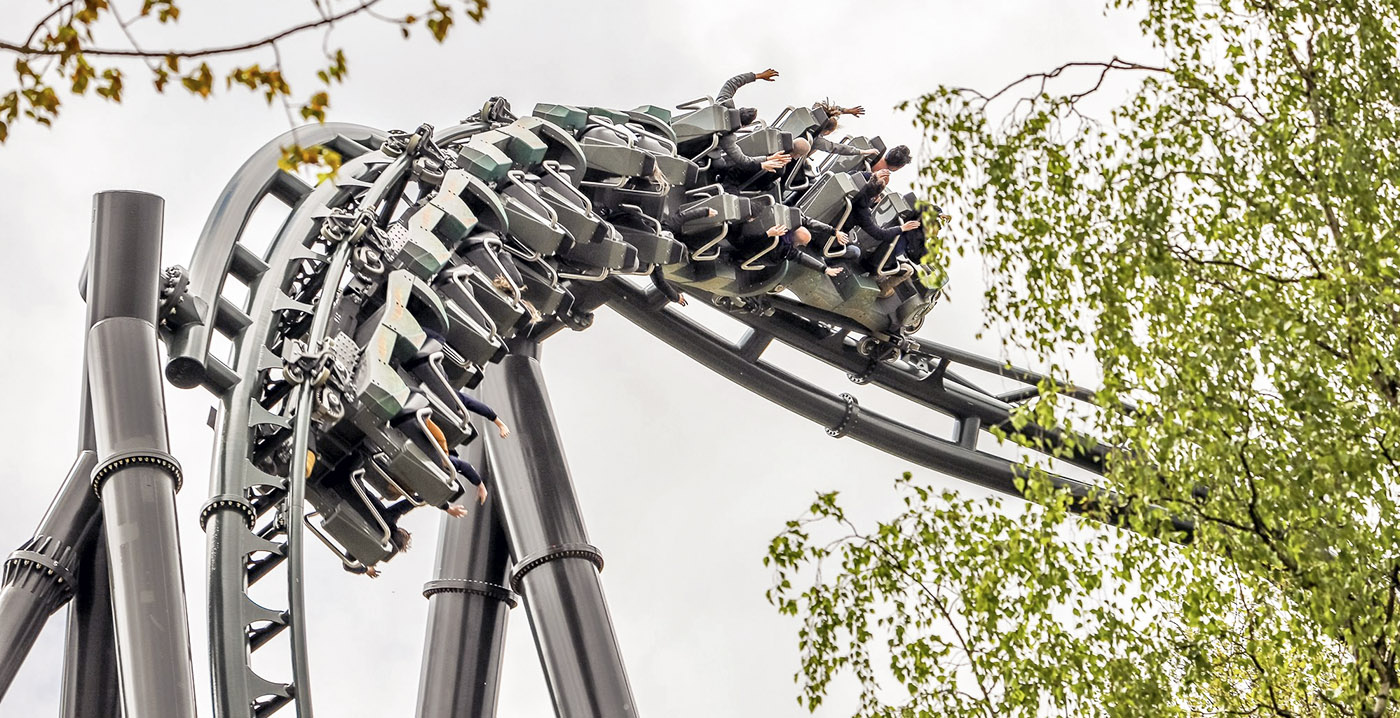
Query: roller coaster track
(573,249)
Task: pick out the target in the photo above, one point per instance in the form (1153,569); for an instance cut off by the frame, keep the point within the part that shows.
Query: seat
(531,220)
(765,141)
(350,526)
(851,163)
(411,459)
(704,235)
(652,244)
(798,121)
(471,331)
(653,118)
(488,254)
(561,147)
(705,121)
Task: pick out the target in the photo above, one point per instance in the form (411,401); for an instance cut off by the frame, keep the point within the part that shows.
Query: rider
(790,248)
(741,168)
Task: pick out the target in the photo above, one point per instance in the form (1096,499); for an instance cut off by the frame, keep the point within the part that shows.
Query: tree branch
(27,49)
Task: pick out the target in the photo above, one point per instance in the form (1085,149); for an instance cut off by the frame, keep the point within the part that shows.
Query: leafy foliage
(60,55)
(1222,244)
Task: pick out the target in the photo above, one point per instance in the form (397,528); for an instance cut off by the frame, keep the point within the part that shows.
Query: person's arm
(395,511)
(821,231)
(726,92)
(481,409)
(468,472)
(812,261)
(663,285)
(836,148)
(694,213)
(865,219)
(732,86)
(729,144)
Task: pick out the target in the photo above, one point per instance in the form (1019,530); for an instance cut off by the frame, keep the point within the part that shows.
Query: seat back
(798,121)
(851,163)
(705,122)
(829,200)
(765,141)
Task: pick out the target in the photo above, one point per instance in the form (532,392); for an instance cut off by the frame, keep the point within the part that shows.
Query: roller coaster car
(405,459)
(497,286)
(348,521)
(471,332)
(742,261)
(856,296)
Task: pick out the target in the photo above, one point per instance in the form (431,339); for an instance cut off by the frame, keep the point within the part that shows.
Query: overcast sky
(683,477)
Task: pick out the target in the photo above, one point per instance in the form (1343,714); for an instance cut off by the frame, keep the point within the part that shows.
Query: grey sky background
(683,477)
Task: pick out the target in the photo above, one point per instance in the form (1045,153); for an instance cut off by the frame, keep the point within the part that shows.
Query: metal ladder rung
(288,188)
(245,265)
(256,570)
(258,637)
(229,320)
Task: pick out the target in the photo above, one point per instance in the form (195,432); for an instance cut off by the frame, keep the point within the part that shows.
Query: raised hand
(768,74)
(883,175)
(505,430)
(777,230)
(457,510)
(480,495)
(833,271)
(871,153)
(842,237)
(911,224)
(776,161)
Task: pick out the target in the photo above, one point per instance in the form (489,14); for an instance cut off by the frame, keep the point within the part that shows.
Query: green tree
(61,56)
(1221,242)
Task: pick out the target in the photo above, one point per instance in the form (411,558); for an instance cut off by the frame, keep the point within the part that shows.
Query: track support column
(136,478)
(469,603)
(43,574)
(556,569)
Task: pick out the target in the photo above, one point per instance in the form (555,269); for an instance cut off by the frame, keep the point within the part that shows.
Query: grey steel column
(136,478)
(90,688)
(556,569)
(40,576)
(468,606)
